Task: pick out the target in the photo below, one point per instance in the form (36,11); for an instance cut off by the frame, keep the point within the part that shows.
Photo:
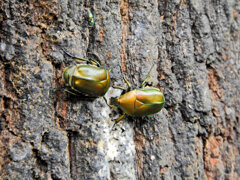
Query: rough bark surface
(195,49)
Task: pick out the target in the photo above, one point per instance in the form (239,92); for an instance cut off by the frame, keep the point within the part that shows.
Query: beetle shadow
(139,122)
(75,98)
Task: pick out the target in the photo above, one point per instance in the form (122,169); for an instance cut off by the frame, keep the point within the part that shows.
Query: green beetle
(88,79)
(90,19)
(144,101)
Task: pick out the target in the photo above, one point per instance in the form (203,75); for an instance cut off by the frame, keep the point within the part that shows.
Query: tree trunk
(194,47)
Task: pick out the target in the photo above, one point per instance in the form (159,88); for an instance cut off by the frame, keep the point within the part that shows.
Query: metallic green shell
(91,19)
(87,79)
(141,102)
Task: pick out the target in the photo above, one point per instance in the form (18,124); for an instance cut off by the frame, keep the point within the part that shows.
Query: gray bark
(194,46)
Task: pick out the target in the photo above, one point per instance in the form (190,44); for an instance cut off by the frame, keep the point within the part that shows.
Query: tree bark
(194,47)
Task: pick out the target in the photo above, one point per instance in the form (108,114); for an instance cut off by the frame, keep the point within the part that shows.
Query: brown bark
(194,47)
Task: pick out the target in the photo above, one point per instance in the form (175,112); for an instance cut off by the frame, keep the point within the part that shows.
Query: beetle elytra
(143,101)
(88,79)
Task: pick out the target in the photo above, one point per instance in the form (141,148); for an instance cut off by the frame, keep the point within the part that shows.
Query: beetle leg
(76,93)
(106,102)
(77,59)
(119,87)
(144,82)
(128,83)
(125,79)
(147,78)
(93,61)
(71,92)
(98,61)
(118,120)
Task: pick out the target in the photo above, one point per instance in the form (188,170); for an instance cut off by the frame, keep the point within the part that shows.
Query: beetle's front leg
(98,61)
(147,78)
(144,82)
(77,59)
(128,83)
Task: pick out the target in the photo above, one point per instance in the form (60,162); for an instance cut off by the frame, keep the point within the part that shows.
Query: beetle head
(114,101)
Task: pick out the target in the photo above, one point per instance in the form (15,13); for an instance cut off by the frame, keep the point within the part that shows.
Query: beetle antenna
(147,78)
